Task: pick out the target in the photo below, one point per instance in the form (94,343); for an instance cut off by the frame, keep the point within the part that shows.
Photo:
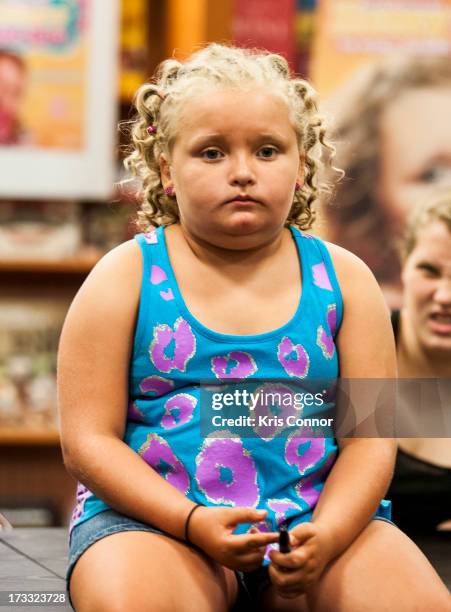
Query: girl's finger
(244,515)
(293,560)
(302,533)
(249,541)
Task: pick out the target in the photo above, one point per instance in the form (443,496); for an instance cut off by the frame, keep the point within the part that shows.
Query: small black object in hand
(284,539)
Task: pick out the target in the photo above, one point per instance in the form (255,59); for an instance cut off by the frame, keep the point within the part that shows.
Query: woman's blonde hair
(159,103)
(438,209)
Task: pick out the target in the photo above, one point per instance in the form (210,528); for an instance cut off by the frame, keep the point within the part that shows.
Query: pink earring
(298,186)
(169,190)
(151,130)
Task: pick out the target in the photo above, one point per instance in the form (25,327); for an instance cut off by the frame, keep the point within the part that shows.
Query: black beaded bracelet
(188,518)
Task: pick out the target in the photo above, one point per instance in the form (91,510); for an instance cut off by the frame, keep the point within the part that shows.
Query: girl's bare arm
(93,363)
(362,473)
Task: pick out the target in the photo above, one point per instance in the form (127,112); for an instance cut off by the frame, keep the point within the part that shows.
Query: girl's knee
(125,600)
(381,570)
(129,571)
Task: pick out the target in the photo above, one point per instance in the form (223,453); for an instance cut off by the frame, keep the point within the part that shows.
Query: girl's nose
(241,172)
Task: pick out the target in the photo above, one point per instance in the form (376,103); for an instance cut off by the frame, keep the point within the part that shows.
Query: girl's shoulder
(114,283)
(365,316)
(354,276)
(123,265)
(349,268)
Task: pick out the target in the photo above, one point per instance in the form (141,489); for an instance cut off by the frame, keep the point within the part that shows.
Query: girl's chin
(242,223)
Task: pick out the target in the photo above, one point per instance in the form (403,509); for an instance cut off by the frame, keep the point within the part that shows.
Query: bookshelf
(11,436)
(80,265)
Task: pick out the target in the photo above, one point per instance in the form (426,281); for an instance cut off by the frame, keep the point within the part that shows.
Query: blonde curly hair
(158,106)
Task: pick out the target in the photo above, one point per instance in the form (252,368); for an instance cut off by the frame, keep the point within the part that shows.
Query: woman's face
(415,150)
(427,288)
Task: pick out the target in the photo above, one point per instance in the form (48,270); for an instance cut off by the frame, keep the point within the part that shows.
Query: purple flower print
(184,346)
(323,339)
(223,367)
(320,277)
(226,473)
(82,495)
(157,385)
(151,237)
(158,276)
(296,364)
(178,410)
(282,407)
(305,488)
(266,527)
(159,455)
(134,413)
(332,318)
(304,453)
(167,295)
(280,507)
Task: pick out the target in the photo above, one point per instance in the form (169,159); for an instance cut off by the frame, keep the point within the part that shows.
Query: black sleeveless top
(420,491)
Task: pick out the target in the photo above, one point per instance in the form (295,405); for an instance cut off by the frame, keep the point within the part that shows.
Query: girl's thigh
(382,571)
(139,571)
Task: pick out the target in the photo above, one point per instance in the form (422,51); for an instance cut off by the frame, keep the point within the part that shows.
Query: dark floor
(34,560)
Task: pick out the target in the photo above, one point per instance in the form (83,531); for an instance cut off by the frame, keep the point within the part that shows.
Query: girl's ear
(165,172)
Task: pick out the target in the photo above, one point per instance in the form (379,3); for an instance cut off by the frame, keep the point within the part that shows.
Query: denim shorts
(250,584)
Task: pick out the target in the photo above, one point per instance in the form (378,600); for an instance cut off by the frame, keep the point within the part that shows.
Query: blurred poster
(383,71)
(134,41)
(265,24)
(304,30)
(352,32)
(43,59)
(58,61)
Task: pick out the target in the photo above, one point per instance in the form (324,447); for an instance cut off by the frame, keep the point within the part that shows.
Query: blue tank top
(173,352)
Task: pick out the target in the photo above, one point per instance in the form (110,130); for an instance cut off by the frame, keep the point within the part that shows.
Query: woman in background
(421,487)
(393,138)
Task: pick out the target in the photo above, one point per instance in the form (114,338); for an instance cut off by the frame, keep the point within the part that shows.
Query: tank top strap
(318,267)
(156,293)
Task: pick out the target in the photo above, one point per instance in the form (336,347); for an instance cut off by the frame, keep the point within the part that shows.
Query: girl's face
(415,151)
(427,287)
(234,166)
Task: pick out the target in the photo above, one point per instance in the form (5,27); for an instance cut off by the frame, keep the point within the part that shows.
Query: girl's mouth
(242,200)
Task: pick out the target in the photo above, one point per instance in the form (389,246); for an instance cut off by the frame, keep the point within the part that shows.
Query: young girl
(227,287)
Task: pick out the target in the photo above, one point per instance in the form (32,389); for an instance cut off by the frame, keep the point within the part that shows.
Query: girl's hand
(211,529)
(294,572)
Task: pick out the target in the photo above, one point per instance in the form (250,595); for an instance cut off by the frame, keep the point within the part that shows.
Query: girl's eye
(268,152)
(211,154)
